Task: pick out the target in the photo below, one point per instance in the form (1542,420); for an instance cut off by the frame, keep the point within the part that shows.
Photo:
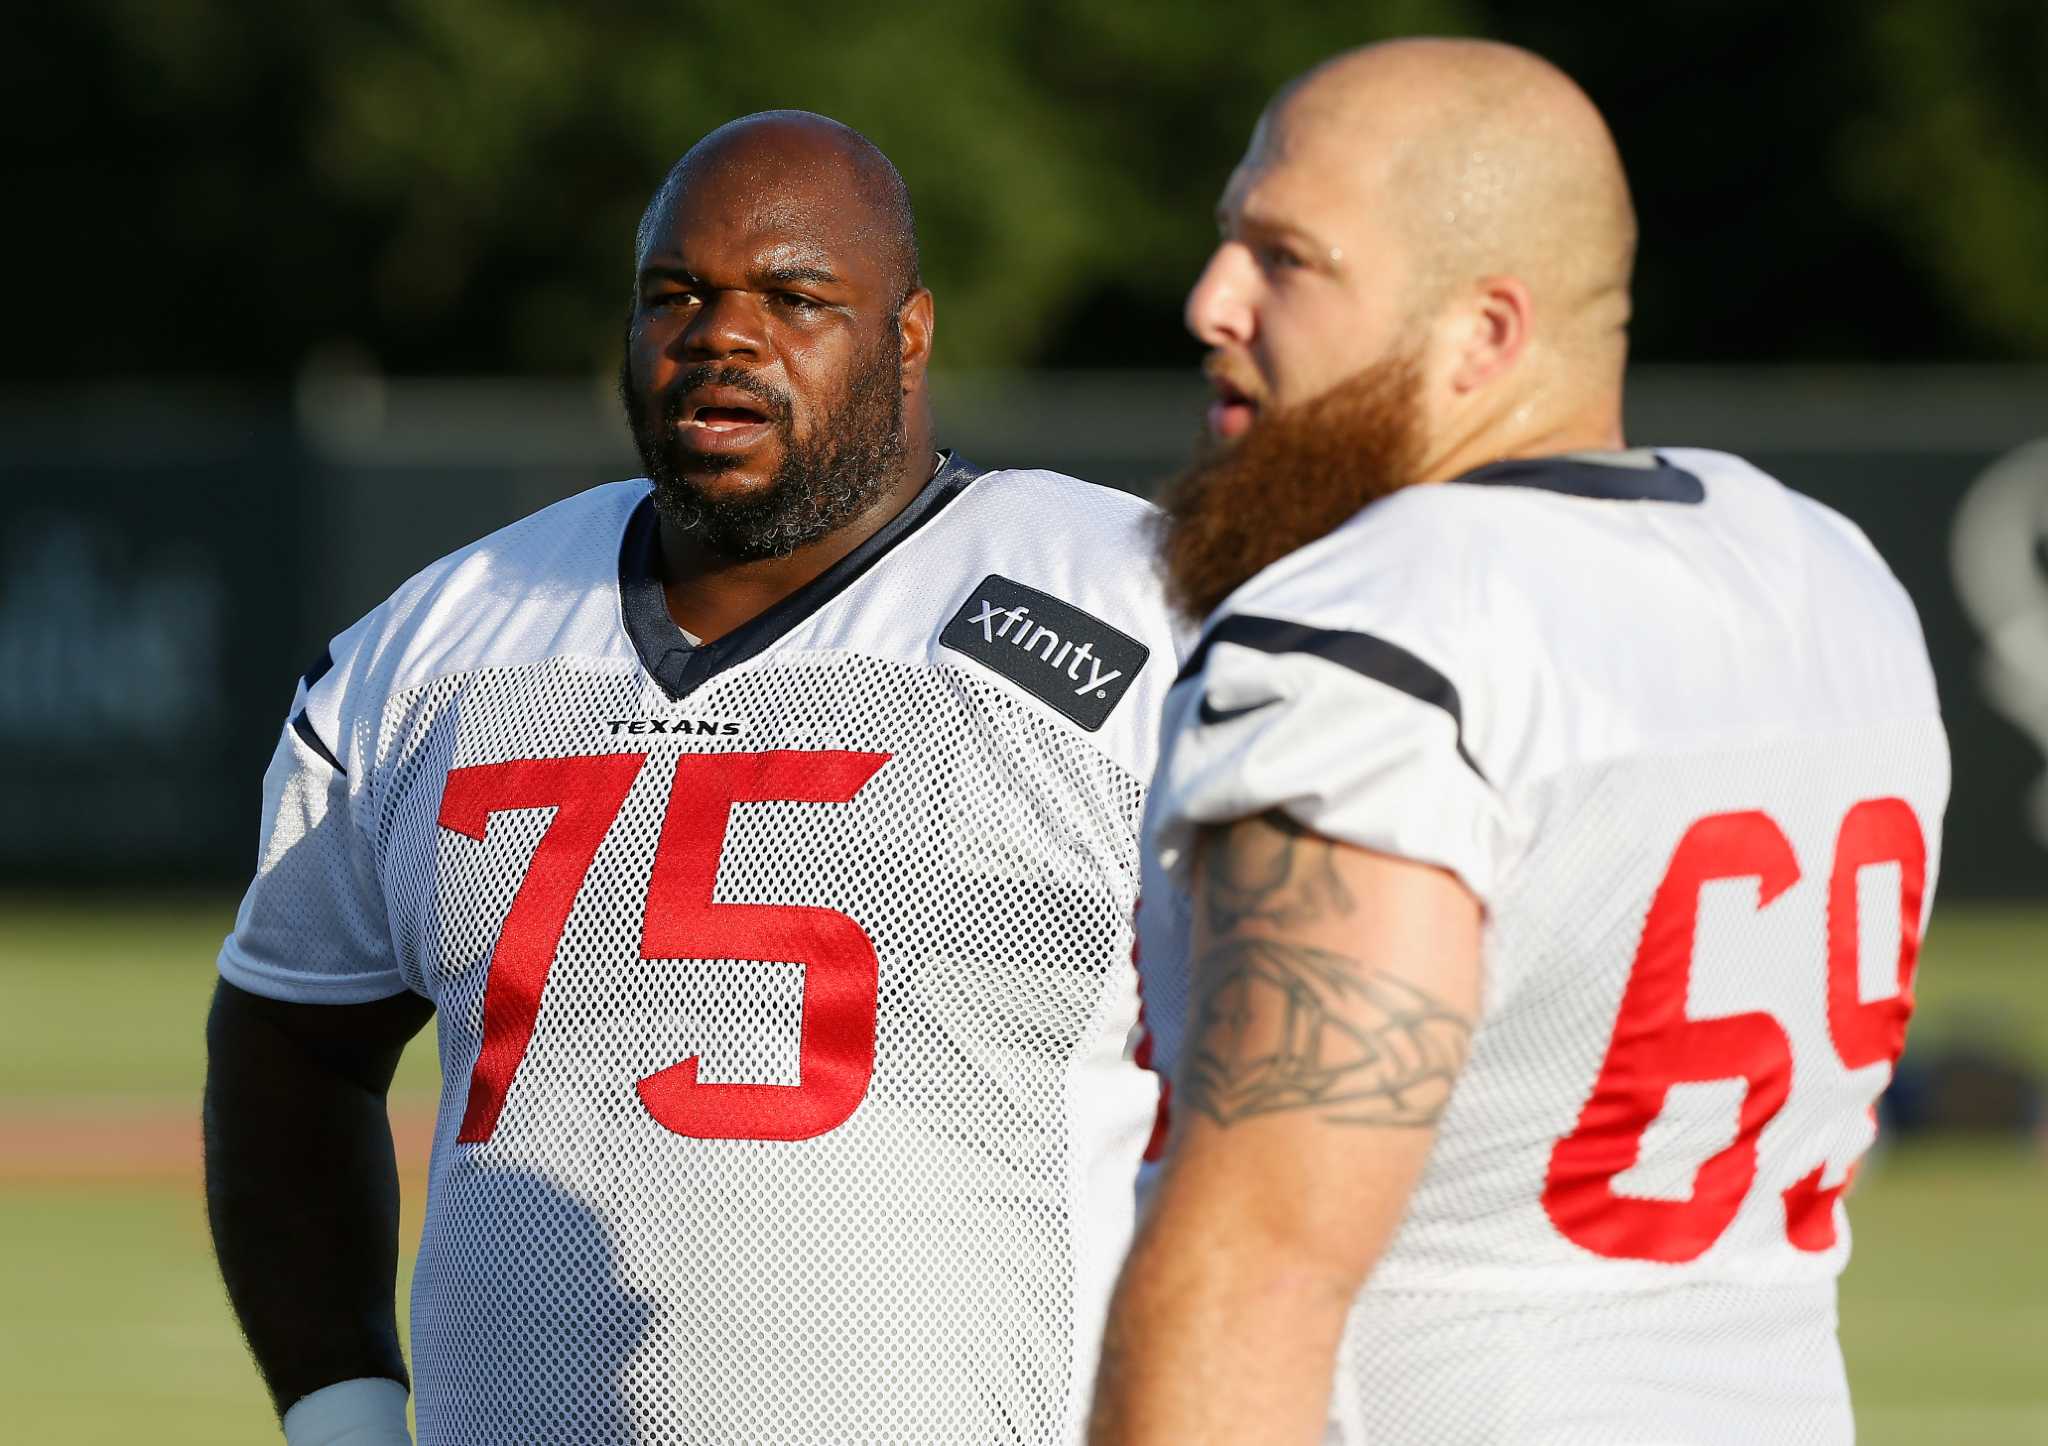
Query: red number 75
(836,1056)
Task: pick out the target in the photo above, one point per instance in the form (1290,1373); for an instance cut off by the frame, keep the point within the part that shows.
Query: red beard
(1294,477)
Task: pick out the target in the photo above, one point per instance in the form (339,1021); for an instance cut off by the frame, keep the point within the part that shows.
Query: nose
(726,324)
(1220,309)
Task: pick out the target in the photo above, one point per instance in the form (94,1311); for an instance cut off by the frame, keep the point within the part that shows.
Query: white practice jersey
(784,983)
(1675,726)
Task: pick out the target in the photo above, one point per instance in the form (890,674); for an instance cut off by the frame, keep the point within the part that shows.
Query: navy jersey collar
(680,668)
(1584,477)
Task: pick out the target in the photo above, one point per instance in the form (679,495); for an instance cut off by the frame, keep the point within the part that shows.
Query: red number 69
(1656,1044)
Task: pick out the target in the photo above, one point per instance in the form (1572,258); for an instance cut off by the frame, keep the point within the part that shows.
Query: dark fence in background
(170,565)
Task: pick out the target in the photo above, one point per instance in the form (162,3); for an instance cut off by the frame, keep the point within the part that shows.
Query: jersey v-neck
(680,667)
(1615,477)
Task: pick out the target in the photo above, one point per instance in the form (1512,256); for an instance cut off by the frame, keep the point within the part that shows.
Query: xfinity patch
(1052,650)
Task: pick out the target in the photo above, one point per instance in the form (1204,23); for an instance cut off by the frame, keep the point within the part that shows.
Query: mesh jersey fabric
(1551,680)
(931,1268)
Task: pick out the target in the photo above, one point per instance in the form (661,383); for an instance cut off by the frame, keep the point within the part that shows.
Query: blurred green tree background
(210,189)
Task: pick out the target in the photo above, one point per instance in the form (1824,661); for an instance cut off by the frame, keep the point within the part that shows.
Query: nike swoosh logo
(1211,714)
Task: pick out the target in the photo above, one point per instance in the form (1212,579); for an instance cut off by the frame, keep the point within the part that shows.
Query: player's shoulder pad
(1095,547)
(1052,584)
(1066,512)
(462,610)
(1411,561)
(1796,512)
(1401,597)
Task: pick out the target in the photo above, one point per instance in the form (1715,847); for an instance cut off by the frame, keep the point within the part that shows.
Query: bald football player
(763,835)
(1554,823)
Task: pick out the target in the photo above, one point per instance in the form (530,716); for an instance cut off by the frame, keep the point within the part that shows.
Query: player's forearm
(1217,1338)
(302,1197)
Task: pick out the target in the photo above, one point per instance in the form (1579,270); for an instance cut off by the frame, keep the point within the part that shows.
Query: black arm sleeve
(302,1183)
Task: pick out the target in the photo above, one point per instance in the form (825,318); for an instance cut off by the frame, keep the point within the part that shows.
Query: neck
(1527,431)
(710,595)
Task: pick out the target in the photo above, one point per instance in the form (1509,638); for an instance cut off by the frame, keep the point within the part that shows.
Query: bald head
(1423,268)
(1491,159)
(810,161)
(779,340)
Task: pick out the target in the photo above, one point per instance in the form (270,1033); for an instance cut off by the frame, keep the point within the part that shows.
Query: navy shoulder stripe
(1598,481)
(1364,654)
(322,666)
(303,726)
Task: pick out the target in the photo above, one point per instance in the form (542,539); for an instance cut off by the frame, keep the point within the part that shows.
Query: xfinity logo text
(1042,640)
(1064,657)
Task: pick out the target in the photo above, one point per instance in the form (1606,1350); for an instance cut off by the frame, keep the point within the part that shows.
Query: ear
(916,321)
(1498,322)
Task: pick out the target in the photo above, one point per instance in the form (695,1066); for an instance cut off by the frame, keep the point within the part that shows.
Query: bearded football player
(1554,822)
(763,835)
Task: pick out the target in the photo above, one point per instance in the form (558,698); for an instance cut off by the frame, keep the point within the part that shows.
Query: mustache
(1228,369)
(775,402)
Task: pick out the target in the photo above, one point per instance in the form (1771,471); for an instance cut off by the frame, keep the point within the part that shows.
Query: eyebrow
(761,277)
(790,275)
(1270,226)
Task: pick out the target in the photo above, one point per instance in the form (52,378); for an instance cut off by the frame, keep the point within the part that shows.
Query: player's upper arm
(1335,992)
(312,926)
(1359,691)
(1328,745)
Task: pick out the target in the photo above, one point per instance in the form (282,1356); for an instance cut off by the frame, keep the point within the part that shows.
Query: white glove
(369,1411)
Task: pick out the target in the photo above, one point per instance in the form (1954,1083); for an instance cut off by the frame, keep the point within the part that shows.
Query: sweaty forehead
(1307,178)
(773,196)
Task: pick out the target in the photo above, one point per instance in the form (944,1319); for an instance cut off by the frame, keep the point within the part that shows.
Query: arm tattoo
(1280,1026)
(1277,1025)
(1270,870)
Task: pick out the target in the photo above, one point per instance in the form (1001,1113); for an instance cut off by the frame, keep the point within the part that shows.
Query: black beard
(1295,476)
(820,486)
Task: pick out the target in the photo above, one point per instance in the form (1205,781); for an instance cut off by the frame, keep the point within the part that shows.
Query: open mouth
(1232,411)
(724,419)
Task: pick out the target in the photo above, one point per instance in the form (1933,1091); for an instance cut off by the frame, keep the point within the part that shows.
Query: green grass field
(114,1330)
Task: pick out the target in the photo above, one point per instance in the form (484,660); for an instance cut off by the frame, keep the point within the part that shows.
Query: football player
(763,836)
(1556,823)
